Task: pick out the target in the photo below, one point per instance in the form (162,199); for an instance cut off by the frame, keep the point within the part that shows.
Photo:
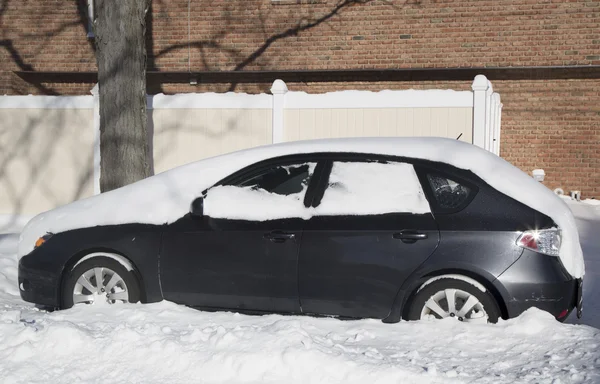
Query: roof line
(336,75)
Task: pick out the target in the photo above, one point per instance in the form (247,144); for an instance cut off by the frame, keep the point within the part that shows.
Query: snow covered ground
(165,342)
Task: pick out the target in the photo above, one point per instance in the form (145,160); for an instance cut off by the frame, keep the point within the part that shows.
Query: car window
(368,188)
(282,180)
(448,193)
(275,193)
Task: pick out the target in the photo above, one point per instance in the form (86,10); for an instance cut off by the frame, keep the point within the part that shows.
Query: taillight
(564,313)
(545,241)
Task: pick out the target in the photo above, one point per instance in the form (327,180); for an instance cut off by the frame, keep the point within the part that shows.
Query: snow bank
(166,343)
(167,196)
(587,216)
(9,290)
(13,223)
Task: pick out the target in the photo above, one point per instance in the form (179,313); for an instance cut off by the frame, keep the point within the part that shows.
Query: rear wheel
(454,298)
(99,280)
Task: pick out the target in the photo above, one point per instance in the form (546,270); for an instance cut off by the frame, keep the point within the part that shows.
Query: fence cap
(278,87)
(480,83)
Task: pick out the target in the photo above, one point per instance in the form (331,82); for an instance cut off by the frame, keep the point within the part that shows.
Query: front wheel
(99,280)
(454,298)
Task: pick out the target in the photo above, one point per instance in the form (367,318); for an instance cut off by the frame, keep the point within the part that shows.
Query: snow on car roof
(166,197)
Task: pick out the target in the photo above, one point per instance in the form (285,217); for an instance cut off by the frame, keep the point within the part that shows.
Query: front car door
(371,229)
(243,252)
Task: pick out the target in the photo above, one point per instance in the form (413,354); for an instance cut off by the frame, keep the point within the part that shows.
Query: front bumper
(541,281)
(38,286)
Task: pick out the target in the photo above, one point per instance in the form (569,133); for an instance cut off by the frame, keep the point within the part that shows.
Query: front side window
(282,180)
(448,193)
(275,193)
(371,188)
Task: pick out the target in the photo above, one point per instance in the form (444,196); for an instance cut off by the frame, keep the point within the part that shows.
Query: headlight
(42,240)
(545,241)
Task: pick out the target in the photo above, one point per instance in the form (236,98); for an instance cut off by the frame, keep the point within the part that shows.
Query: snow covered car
(384,228)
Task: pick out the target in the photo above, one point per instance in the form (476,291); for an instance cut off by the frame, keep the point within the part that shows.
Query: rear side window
(372,188)
(448,193)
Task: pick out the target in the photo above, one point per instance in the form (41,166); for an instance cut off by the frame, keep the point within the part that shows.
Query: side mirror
(197,208)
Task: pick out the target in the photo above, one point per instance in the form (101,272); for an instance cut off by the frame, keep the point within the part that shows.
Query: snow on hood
(166,197)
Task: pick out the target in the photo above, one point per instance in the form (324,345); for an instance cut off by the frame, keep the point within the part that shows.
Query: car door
(243,252)
(371,229)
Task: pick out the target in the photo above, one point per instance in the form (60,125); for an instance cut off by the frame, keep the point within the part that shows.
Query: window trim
(422,167)
(436,208)
(363,158)
(259,168)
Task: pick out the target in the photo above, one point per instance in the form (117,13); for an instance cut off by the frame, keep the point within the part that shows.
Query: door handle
(279,236)
(409,236)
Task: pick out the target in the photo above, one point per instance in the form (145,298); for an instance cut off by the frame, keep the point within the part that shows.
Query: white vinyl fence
(49,145)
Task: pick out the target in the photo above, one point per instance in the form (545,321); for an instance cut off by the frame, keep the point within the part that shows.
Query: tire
(485,308)
(125,288)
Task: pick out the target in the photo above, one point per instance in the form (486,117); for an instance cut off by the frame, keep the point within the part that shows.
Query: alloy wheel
(454,303)
(100,284)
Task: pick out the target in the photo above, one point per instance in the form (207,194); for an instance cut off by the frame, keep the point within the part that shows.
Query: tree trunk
(120,29)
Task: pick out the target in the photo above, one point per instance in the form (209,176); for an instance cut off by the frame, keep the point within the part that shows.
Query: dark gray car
(476,255)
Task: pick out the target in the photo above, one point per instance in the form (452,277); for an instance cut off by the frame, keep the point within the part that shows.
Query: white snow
(165,342)
(229,100)
(383,99)
(177,188)
(245,203)
(120,259)
(13,223)
(398,190)
(587,214)
(9,291)
(466,279)
(46,102)
(354,185)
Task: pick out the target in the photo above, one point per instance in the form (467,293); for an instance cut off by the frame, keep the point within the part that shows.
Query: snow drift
(168,343)
(175,189)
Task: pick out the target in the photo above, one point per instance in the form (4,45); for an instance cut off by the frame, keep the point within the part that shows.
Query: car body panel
(537,280)
(219,263)
(354,266)
(139,243)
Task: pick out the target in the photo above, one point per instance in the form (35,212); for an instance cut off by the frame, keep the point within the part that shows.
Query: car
(384,228)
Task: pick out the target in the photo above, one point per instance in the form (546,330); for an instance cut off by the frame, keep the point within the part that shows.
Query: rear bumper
(38,286)
(540,281)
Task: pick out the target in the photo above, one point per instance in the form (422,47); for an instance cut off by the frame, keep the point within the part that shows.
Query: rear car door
(372,227)
(243,252)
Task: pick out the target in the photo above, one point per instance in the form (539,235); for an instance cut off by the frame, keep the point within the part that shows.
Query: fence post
(489,117)
(480,107)
(279,89)
(497,123)
(96,128)
(491,122)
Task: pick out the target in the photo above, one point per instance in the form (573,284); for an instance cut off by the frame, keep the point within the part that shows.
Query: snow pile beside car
(166,343)
(167,197)
(8,268)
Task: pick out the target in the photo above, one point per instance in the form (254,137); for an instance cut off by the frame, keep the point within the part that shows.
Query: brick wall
(550,124)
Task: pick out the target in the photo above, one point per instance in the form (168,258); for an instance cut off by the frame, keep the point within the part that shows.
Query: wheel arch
(99,252)
(407,293)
